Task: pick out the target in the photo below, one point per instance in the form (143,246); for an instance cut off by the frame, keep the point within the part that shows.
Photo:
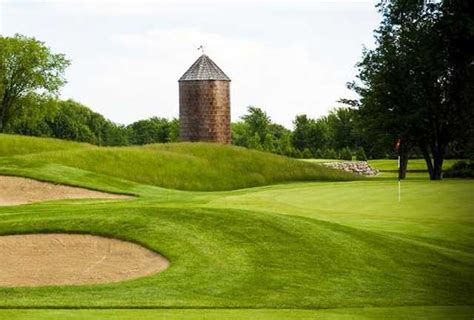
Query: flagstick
(399,180)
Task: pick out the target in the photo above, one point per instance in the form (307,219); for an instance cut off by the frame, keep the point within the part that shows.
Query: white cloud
(127,56)
(151,7)
(1,16)
(140,79)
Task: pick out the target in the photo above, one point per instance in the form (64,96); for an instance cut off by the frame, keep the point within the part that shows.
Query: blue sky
(287,57)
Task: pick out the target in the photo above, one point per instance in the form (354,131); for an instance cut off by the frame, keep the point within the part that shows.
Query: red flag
(397,146)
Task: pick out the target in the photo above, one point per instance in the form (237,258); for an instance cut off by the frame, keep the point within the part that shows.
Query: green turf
(395,313)
(350,247)
(430,211)
(413,164)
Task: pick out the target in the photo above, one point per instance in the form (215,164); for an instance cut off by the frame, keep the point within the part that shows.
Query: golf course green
(249,235)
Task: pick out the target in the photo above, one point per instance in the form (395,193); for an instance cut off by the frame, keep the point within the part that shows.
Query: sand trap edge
(17,190)
(59,259)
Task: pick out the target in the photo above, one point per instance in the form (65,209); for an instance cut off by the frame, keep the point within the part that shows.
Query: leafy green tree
(320,134)
(240,132)
(115,134)
(310,134)
(285,147)
(27,66)
(40,115)
(256,131)
(174,130)
(72,121)
(302,132)
(279,140)
(417,84)
(341,123)
(254,142)
(257,121)
(153,130)
(32,115)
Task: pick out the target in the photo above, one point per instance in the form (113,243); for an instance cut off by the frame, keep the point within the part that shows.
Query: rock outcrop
(357,167)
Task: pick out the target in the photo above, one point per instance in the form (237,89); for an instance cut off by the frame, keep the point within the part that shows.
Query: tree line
(67,119)
(339,135)
(333,137)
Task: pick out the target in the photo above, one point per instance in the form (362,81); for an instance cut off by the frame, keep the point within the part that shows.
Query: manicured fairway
(395,313)
(336,250)
(435,212)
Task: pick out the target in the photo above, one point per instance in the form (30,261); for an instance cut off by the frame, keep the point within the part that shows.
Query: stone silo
(204,103)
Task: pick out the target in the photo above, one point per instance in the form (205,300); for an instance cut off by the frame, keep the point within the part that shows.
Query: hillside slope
(11,145)
(183,166)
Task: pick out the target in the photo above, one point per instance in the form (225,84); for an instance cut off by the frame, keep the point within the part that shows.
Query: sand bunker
(72,259)
(16,190)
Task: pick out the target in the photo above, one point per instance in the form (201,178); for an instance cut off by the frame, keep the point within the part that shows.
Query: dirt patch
(16,190)
(72,259)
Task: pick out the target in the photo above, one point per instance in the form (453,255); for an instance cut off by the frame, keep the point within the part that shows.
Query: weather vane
(201,48)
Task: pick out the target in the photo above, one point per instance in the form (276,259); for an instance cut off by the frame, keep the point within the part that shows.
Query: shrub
(345,154)
(461,169)
(306,154)
(330,154)
(296,154)
(360,154)
(319,154)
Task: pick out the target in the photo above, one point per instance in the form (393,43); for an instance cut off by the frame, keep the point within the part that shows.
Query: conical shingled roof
(204,69)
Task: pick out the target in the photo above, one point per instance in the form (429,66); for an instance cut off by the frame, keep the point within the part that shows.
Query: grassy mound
(17,145)
(183,166)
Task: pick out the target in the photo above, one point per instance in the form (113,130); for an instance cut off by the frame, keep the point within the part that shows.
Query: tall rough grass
(184,166)
(16,145)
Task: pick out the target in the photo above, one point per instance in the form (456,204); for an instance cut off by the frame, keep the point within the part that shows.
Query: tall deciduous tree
(153,130)
(26,66)
(417,84)
(301,137)
(256,131)
(257,121)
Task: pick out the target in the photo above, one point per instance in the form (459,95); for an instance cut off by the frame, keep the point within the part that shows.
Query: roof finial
(201,48)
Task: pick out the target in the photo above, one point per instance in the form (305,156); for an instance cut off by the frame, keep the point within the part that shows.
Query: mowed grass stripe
(407,313)
(414,165)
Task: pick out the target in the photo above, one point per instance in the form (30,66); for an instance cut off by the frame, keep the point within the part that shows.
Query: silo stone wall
(204,111)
